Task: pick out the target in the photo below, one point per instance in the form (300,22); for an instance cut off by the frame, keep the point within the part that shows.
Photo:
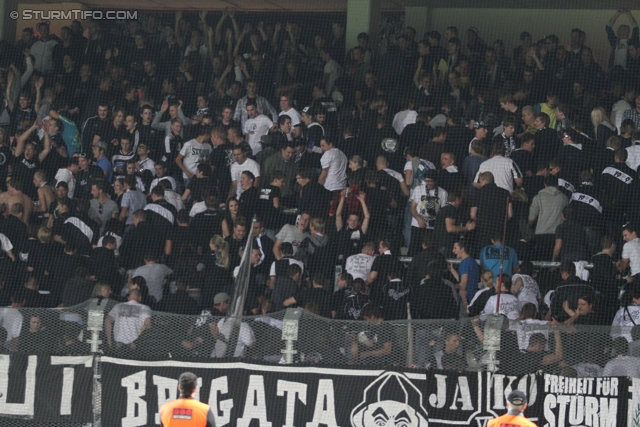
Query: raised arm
(22,139)
(46,149)
(365,211)
(218,30)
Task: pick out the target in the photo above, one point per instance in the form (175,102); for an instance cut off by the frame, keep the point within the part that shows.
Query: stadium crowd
(136,162)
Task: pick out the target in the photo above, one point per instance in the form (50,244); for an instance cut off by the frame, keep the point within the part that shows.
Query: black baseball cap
(517,398)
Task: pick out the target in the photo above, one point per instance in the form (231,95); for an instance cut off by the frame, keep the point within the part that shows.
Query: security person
(516,403)
(186,411)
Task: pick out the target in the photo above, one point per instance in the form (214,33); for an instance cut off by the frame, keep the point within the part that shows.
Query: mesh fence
(436,344)
(557,99)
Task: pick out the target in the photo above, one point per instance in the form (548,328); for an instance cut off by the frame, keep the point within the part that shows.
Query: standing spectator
(294,234)
(132,200)
(446,226)
(102,208)
(630,251)
(619,40)
(334,167)
(42,50)
(242,164)
(468,274)
(263,106)
(155,274)
(194,152)
(504,170)
(490,257)
(255,127)
(427,199)
(489,209)
(545,213)
(509,304)
(127,321)
(632,114)
(571,240)
(359,265)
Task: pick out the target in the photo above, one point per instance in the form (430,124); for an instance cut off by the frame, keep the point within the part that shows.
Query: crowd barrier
(299,368)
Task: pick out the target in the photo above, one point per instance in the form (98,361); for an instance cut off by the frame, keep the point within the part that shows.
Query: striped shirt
(504,171)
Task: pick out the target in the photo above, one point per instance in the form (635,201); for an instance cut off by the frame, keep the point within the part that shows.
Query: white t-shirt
(5,243)
(359,265)
(625,319)
(246,339)
(65,175)
(335,71)
(256,128)
(622,366)
(295,120)
(11,320)
(530,291)
(402,119)
(527,327)
(509,306)
(504,171)
(129,318)
(195,153)
(633,156)
(237,169)
(336,162)
(631,251)
(423,204)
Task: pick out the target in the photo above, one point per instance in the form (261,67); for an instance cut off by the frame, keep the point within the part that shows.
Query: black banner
(243,394)
(45,388)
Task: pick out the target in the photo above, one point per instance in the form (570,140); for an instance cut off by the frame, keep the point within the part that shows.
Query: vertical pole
(504,242)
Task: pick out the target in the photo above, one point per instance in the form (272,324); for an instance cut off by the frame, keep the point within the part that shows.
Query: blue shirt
(106,166)
(470,267)
(490,259)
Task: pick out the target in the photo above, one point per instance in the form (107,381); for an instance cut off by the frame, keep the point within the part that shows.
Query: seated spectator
(622,365)
(451,349)
(374,344)
(627,316)
(221,331)
(528,324)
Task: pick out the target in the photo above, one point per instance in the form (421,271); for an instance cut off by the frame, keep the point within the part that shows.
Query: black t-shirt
(444,238)
(396,296)
(23,170)
(221,159)
(271,217)
(574,241)
(108,133)
(383,265)
(199,185)
(524,160)
(349,241)
(54,160)
(248,203)
(205,225)
(6,157)
(380,334)
(320,296)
